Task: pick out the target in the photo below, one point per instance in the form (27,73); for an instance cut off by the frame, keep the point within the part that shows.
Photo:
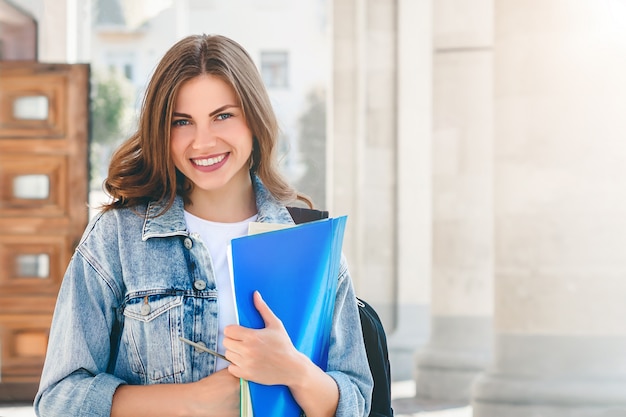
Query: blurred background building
(479,149)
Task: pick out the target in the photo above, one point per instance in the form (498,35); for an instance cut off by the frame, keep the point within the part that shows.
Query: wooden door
(44,115)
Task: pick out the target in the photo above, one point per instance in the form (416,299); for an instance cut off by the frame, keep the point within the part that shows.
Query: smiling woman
(152,269)
(211,145)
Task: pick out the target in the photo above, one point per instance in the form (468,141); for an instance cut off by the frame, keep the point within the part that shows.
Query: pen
(203,348)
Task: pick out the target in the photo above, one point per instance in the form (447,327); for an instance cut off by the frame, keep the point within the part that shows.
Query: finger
(235,332)
(268,316)
(235,370)
(234,357)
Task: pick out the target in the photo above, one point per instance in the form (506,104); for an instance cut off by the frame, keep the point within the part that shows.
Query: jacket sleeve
(74,381)
(347,359)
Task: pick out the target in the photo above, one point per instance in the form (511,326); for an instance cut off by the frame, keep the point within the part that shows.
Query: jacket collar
(172,221)
(270,210)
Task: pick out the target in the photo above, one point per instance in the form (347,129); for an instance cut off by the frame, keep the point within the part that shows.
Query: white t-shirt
(216,237)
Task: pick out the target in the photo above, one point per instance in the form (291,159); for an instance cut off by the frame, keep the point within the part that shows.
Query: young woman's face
(210,139)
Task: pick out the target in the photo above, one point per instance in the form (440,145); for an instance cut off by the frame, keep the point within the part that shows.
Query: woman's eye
(224,116)
(180,122)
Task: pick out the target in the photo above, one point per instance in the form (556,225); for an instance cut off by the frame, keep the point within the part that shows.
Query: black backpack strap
(304,215)
(375,341)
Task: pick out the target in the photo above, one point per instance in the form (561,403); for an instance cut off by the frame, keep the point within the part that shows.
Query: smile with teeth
(209,161)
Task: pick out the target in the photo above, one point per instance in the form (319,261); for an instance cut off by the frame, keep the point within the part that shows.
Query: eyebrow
(213,113)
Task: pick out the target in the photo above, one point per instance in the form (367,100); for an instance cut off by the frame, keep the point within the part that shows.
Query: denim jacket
(136,283)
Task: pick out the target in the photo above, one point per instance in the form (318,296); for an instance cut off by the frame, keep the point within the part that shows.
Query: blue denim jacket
(152,280)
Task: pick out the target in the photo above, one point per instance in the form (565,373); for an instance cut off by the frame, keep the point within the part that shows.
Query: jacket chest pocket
(153,324)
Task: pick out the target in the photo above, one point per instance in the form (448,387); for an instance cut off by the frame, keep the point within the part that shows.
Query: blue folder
(295,270)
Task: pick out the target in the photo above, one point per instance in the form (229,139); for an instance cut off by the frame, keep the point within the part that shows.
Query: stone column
(346,130)
(560,211)
(363,149)
(55,42)
(460,342)
(379,166)
(414,185)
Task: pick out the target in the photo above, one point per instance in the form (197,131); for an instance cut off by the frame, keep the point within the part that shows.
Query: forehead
(206,89)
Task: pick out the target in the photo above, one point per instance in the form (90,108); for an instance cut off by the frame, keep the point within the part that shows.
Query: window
(275,69)
(122,62)
(128,71)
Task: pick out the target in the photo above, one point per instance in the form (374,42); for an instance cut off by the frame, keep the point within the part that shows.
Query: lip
(212,167)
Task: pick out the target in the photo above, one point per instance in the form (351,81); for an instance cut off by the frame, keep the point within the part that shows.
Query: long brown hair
(142,170)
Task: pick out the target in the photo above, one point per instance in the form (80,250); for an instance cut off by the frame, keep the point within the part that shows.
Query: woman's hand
(217,395)
(268,357)
(265,356)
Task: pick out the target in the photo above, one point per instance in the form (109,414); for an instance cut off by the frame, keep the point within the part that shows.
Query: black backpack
(373,335)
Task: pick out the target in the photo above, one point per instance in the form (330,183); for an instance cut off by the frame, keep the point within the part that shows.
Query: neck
(230,205)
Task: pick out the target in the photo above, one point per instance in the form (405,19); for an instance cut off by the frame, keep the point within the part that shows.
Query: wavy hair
(142,170)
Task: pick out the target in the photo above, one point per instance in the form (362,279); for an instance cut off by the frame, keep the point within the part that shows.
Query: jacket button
(188,243)
(199,285)
(199,350)
(145,309)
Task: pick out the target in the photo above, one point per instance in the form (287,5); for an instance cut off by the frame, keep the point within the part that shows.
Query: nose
(204,137)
